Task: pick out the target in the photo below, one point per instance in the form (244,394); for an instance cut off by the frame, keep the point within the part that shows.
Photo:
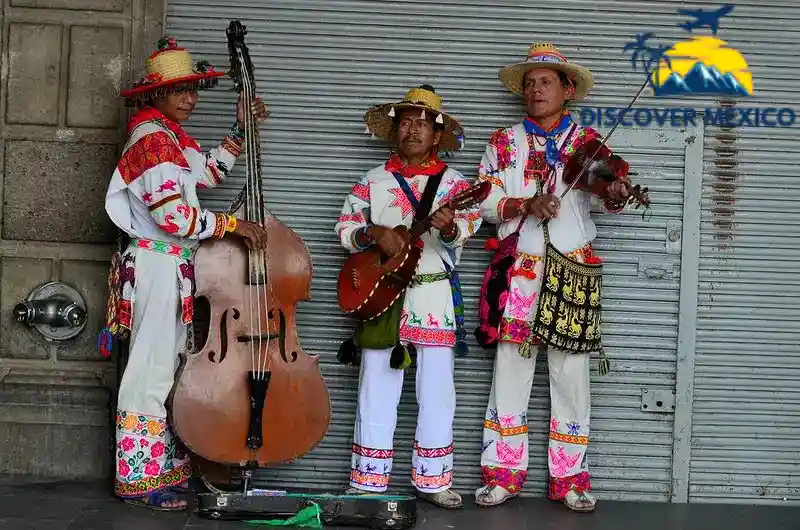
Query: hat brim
(380,124)
(199,81)
(511,76)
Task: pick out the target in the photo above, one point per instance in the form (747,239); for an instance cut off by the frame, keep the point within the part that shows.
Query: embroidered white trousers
(379,393)
(504,459)
(148,458)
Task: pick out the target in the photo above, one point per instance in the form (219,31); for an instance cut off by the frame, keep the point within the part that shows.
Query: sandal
(488,496)
(580,500)
(447,499)
(181,489)
(355,491)
(158,500)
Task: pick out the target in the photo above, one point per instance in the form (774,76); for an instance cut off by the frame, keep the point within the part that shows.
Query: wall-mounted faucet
(54,309)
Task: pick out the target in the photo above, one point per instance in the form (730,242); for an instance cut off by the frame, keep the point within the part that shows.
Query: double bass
(250,396)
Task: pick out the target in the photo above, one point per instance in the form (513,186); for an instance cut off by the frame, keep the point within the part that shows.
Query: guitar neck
(420,227)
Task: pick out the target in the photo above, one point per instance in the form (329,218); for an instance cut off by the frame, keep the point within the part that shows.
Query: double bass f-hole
(223,335)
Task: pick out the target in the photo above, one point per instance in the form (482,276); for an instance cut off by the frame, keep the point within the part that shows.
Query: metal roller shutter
(746,419)
(321,63)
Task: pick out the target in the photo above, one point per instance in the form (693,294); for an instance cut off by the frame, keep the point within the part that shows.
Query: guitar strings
(467,199)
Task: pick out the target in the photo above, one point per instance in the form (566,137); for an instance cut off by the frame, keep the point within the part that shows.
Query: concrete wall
(61,130)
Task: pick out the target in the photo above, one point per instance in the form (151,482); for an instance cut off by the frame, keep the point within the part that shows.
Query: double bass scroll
(250,396)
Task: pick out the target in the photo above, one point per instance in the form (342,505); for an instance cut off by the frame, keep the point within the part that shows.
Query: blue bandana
(551,151)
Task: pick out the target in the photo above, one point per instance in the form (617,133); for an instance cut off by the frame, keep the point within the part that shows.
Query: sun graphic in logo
(702,65)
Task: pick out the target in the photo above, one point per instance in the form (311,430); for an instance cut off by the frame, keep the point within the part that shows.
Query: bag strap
(423,206)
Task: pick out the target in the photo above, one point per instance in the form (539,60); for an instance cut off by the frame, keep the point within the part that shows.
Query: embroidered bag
(569,308)
(494,289)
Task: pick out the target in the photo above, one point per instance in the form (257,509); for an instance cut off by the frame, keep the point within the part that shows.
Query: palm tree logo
(650,57)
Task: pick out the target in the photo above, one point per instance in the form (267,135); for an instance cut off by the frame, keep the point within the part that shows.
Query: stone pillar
(62,127)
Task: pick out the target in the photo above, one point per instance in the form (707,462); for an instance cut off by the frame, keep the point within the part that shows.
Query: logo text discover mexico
(699,65)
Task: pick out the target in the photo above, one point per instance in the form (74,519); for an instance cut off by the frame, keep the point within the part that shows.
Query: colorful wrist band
(230,225)
(237,132)
(219,227)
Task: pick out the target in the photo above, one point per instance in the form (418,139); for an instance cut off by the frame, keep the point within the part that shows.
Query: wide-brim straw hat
(170,68)
(380,118)
(546,55)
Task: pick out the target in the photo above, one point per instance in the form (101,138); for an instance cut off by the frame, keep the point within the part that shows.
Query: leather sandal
(355,491)
(580,500)
(489,496)
(156,501)
(447,499)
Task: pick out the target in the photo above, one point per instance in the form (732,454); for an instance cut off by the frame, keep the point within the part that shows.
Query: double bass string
(257,215)
(251,213)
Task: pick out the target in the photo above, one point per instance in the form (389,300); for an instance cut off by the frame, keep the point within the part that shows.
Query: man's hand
(443,220)
(617,191)
(255,235)
(389,241)
(544,206)
(258,109)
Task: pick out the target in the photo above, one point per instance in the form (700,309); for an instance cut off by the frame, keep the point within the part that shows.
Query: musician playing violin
(428,318)
(518,161)
(152,199)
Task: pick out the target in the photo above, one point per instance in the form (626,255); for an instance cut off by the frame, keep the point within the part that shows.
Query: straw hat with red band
(546,55)
(170,68)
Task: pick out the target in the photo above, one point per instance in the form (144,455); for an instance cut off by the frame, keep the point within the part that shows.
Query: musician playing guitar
(413,184)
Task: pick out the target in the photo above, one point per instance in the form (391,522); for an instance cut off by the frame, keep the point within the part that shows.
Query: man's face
(544,93)
(177,106)
(416,136)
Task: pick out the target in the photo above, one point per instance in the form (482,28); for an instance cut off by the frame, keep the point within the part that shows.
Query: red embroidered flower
(123,468)
(144,443)
(152,468)
(127,444)
(157,450)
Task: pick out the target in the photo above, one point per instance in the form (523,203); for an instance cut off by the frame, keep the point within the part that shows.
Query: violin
(250,396)
(593,167)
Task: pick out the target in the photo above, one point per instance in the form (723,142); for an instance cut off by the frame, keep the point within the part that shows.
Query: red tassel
(491,244)
(526,273)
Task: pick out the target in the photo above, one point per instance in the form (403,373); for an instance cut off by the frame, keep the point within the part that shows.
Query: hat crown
(544,52)
(424,95)
(170,61)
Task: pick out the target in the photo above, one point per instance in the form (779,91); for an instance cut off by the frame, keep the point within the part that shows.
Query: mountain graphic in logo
(701,79)
(699,65)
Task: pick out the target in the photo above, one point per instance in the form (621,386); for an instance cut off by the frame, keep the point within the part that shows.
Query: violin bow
(588,163)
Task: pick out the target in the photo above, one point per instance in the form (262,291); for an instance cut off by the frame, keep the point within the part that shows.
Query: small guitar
(369,282)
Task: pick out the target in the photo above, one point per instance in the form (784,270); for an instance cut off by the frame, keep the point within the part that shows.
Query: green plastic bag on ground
(305,518)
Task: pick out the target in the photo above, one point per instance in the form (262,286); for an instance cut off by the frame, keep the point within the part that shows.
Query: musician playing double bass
(525,164)
(152,198)
(429,317)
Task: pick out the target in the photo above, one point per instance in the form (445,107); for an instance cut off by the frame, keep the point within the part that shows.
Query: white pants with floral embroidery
(379,393)
(148,459)
(504,460)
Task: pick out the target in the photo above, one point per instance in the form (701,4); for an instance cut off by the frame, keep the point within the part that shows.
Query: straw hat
(546,55)
(169,68)
(380,118)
